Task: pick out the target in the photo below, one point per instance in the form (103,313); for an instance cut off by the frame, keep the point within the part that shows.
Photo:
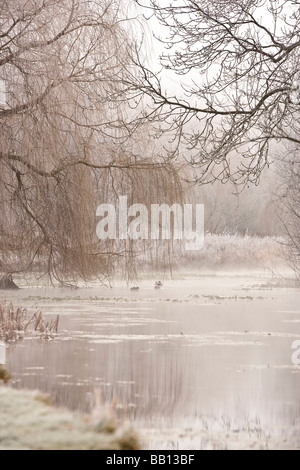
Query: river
(203,363)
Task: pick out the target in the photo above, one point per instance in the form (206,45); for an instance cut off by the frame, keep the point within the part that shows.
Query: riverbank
(204,362)
(29,422)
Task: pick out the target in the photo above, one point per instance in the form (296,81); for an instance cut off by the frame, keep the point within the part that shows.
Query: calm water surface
(198,364)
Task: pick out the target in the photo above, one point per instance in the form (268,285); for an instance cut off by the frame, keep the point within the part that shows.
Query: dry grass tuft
(15,323)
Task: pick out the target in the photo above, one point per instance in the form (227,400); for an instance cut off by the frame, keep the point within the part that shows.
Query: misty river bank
(205,362)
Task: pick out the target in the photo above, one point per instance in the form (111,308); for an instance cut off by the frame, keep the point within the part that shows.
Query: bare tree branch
(241,69)
(69,140)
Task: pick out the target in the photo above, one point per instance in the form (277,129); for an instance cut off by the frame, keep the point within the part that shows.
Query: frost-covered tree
(64,148)
(289,207)
(239,64)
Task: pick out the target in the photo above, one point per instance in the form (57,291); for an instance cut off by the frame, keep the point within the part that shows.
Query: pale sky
(150,27)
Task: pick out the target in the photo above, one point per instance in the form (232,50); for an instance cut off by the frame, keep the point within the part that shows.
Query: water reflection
(188,374)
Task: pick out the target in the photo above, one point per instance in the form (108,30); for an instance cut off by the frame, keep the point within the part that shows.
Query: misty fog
(150,225)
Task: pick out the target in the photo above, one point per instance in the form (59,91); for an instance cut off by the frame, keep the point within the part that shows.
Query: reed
(15,323)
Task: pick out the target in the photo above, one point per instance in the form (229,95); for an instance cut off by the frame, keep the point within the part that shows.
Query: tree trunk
(7,283)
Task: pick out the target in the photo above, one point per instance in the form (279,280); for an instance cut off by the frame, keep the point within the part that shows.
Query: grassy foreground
(28,422)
